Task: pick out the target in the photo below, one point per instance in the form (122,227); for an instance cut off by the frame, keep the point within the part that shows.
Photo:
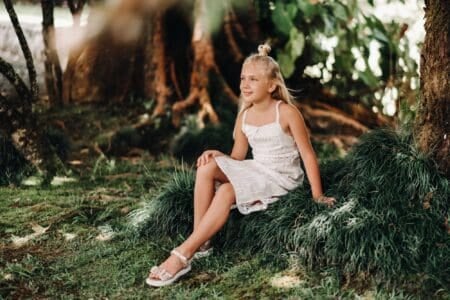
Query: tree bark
(53,72)
(432,128)
(76,9)
(25,49)
(158,78)
(203,64)
(18,121)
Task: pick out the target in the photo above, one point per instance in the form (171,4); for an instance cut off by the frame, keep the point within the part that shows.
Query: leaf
(381,36)
(296,43)
(329,22)
(291,10)
(368,77)
(308,10)
(281,18)
(286,64)
(340,12)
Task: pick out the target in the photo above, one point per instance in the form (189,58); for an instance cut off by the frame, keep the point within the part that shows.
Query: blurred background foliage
(349,69)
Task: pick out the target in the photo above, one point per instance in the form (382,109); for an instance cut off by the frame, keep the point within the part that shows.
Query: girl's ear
(272,87)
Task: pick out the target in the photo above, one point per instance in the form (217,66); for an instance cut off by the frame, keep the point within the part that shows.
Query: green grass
(50,266)
(388,225)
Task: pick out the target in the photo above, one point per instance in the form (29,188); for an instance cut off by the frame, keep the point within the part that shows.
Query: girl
(277,134)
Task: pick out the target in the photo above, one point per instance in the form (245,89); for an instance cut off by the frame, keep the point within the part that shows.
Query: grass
(54,266)
(388,224)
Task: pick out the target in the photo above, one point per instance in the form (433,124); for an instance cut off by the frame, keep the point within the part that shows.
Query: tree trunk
(157,78)
(25,49)
(203,64)
(18,121)
(432,130)
(76,9)
(53,72)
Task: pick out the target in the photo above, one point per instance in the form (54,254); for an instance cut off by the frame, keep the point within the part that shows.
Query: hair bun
(264,50)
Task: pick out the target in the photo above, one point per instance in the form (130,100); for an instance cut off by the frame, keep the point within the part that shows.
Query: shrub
(392,204)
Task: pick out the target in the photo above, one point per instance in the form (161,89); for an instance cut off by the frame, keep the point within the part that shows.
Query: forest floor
(67,240)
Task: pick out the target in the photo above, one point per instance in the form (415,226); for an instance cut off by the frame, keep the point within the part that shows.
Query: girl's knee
(226,193)
(208,169)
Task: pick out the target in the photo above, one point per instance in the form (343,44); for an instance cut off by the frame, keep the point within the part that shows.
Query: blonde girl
(276,132)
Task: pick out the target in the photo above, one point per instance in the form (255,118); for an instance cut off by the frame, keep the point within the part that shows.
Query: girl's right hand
(328,201)
(206,156)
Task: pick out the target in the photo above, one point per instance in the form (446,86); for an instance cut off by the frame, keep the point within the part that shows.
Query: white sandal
(204,250)
(164,277)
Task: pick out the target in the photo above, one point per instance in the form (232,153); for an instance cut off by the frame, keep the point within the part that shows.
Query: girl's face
(255,85)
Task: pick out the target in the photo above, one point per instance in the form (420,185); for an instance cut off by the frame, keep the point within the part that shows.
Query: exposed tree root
(230,18)
(160,89)
(331,121)
(203,64)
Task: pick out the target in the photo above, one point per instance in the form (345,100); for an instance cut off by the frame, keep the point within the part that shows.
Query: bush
(13,166)
(191,141)
(389,220)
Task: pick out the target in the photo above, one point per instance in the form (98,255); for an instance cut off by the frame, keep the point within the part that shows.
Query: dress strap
(278,111)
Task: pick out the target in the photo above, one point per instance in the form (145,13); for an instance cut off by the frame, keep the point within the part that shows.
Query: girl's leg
(212,221)
(204,188)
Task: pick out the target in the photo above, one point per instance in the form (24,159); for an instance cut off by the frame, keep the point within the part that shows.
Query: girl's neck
(263,105)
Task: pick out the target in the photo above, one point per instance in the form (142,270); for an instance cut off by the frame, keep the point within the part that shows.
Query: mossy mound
(389,220)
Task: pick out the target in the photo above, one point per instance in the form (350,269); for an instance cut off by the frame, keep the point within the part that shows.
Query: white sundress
(274,170)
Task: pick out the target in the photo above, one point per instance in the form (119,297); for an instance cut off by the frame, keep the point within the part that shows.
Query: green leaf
(329,22)
(340,12)
(379,35)
(308,10)
(281,19)
(286,64)
(291,10)
(296,43)
(368,77)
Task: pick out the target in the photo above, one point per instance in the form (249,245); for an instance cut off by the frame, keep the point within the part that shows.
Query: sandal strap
(183,258)
(162,273)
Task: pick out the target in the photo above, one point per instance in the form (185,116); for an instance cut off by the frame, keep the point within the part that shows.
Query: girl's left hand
(206,156)
(328,201)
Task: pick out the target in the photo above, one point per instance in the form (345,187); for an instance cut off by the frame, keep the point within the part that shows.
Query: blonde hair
(281,92)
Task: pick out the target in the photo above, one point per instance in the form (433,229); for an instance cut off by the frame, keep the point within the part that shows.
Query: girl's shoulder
(288,110)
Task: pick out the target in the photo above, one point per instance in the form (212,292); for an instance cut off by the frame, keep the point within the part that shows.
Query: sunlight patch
(61,180)
(57,180)
(21,241)
(285,281)
(68,236)
(32,181)
(106,233)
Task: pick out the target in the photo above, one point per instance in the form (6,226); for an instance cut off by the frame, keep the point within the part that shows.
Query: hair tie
(264,50)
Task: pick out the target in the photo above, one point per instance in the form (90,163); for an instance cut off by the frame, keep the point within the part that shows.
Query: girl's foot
(170,270)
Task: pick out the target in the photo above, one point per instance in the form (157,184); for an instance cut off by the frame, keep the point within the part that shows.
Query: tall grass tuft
(169,213)
(389,220)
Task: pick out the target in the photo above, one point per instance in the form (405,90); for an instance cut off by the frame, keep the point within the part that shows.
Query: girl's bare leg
(204,188)
(213,220)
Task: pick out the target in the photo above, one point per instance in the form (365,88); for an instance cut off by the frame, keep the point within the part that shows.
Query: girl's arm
(297,128)
(240,146)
